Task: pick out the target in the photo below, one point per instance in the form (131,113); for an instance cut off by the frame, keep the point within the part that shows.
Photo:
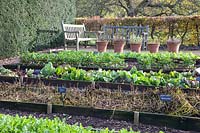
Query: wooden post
(136,117)
(49,108)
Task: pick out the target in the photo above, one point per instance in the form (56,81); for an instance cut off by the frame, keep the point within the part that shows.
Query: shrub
(20,20)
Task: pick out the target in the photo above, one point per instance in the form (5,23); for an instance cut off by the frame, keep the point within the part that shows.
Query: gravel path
(97,122)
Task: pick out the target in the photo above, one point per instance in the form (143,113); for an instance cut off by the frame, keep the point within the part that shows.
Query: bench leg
(65,45)
(77,45)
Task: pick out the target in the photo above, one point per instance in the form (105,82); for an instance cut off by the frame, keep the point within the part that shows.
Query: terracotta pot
(102,46)
(136,47)
(153,47)
(119,46)
(173,45)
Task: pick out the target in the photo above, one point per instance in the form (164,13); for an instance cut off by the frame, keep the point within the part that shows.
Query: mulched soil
(97,122)
(7,61)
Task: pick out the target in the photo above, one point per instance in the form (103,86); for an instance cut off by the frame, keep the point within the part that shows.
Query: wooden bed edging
(9,79)
(176,122)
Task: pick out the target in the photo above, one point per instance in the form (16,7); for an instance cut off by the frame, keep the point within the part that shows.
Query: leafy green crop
(173,79)
(30,124)
(144,60)
(48,70)
(7,72)
(164,60)
(74,58)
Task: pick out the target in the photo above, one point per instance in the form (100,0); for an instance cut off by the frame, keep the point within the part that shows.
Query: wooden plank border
(176,122)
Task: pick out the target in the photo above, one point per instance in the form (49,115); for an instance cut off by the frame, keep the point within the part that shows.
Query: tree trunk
(131,13)
(131,8)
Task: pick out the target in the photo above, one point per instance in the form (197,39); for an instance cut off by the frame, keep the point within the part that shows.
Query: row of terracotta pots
(172,46)
(118,46)
(153,47)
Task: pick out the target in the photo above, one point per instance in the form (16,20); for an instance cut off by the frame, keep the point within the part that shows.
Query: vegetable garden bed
(98,125)
(135,77)
(72,77)
(183,123)
(165,61)
(131,90)
(173,101)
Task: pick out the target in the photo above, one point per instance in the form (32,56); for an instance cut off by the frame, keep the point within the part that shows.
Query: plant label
(197,78)
(36,72)
(62,89)
(165,98)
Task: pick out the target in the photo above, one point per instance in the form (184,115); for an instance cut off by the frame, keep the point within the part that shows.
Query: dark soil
(97,122)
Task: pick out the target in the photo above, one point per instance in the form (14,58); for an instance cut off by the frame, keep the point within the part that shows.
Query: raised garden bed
(134,76)
(147,61)
(167,101)
(183,123)
(98,124)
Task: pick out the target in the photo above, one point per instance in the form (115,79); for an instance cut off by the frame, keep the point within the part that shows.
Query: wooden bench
(126,32)
(76,33)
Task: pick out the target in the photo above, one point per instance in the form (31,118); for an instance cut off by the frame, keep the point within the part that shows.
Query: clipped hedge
(20,20)
(187,28)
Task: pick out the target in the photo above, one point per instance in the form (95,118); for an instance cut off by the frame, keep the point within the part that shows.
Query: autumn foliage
(186,28)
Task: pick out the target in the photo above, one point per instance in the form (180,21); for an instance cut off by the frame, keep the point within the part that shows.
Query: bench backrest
(72,27)
(125,31)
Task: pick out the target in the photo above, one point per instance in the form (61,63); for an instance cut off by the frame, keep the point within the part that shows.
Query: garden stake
(49,108)
(136,117)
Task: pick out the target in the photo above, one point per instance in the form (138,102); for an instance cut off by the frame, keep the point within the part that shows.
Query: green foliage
(74,58)
(173,79)
(145,60)
(26,124)
(135,39)
(20,20)
(6,72)
(48,70)
(165,61)
(47,39)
